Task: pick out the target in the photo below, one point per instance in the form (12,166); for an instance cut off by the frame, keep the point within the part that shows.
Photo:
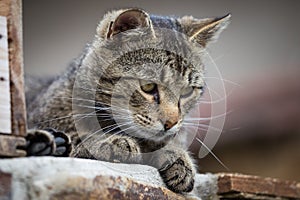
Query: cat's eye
(148,87)
(186,92)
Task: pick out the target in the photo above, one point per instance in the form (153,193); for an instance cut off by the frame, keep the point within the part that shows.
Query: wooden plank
(9,144)
(5,112)
(245,185)
(12,9)
(5,186)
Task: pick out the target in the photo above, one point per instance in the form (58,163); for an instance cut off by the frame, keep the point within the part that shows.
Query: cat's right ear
(204,31)
(122,20)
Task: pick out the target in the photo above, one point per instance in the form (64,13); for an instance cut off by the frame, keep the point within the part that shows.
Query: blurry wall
(260,51)
(263,35)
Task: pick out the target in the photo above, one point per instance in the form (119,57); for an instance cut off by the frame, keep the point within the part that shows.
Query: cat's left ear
(204,31)
(123,20)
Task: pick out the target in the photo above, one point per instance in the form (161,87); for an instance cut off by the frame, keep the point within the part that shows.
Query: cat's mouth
(157,132)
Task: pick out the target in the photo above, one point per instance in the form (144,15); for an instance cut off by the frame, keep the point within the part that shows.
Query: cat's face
(154,108)
(153,78)
(158,107)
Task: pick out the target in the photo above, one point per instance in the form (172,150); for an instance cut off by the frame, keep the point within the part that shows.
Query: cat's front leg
(175,167)
(112,148)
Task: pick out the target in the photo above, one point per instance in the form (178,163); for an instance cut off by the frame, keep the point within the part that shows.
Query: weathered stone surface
(253,187)
(206,186)
(70,178)
(5,186)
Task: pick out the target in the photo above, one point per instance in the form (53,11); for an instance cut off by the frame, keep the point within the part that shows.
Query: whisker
(58,118)
(213,91)
(110,136)
(102,115)
(214,155)
(235,128)
(85,115)
(198,128)
(99,57)
(53,119)
(92,101)
(219,57)
(201,101)
(120,131)
(72,98)
(95,90)
(206,118)
(225,80)
(202,126)
(98,108)
(114,126)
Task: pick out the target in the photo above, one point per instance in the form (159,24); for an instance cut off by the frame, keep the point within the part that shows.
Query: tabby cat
(125,98)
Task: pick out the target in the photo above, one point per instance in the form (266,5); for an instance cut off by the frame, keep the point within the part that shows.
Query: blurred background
(258,56)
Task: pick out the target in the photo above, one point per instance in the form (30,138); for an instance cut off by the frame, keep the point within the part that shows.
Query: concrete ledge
(72,178)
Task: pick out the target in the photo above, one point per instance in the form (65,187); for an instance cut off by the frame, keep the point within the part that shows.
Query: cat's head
(150,68)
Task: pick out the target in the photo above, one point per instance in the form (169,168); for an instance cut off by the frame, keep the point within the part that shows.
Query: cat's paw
(178,176)
(48,142)
(39,143)
(62,143)
(113,148)
(125,150)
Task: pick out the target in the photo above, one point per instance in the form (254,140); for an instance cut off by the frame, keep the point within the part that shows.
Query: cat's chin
(160,136)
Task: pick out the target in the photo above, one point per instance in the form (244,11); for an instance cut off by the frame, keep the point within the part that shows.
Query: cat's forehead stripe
(168,65)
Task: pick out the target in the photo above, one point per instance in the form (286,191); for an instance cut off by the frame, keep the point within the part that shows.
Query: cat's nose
(169,115)
(169,124)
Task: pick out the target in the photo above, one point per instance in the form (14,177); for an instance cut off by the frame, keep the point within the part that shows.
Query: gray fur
(106,81)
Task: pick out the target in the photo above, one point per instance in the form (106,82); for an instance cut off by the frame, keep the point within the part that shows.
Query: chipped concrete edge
(73,178)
